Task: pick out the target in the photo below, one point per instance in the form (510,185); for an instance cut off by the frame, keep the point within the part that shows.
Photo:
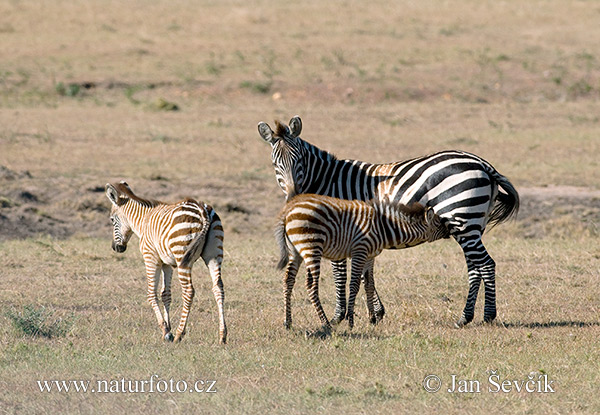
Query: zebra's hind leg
(288,285)
(153,272)
(339,278)
(480,266)
(214,267)
(187,293)
(167,272)
(212,255)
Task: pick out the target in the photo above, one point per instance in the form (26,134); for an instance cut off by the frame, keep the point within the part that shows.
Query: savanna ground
(167,95)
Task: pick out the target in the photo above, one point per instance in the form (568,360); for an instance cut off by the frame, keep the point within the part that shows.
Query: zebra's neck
(136,212)
(329,176)
(394,227)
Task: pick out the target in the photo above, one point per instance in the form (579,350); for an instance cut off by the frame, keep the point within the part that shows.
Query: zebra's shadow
(548,324)
(324,334)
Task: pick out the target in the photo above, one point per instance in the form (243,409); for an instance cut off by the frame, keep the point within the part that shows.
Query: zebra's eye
(112,220)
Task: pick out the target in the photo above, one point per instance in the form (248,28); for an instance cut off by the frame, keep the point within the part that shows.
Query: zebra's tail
(507,201)
(197,245)
(282,242)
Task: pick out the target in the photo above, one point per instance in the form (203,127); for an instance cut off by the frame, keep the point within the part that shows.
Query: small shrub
(162,104)
(33,321)
(70,90)
(257,86)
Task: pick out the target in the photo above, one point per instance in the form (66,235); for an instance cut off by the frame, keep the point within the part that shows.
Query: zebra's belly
(168,258)
(406,245)
(336,253)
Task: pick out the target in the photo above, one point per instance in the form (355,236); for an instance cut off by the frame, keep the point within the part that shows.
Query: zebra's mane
(124,188)
(283,131)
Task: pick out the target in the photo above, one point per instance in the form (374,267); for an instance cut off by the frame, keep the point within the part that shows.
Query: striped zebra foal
(466,191)
(311,227)
(171,236)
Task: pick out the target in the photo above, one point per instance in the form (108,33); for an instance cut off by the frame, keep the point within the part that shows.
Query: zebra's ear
(124,183)
(295,126)
(266,133)
(429,215)
(113,195)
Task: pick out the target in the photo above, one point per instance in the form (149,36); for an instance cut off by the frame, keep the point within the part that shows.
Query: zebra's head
(436,229)
(287,155)
(118,196)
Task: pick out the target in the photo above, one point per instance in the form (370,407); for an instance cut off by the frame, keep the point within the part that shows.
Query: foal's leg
(358,263)
(313,269)
(167,272)
(212,254)
(288,285)
(369,290)
(339,278)
(187,293)
(153,270)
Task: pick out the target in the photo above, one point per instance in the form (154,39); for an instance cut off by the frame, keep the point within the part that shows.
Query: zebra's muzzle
(118,248)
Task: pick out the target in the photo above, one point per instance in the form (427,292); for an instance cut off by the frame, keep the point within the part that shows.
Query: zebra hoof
(374,320)
(287,325)
(461,323)
(351,322)
(169,337)
(337,318)
(380,313)
(489,319)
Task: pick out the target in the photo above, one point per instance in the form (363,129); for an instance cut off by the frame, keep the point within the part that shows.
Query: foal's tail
(197,245)
(281,238)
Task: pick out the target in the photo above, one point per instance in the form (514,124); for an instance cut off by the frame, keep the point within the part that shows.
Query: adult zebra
(462,188)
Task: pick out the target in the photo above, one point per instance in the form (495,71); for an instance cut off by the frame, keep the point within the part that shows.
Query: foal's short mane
(126,190)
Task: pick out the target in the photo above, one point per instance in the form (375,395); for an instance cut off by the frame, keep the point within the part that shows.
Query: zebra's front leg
(339,278)
(369,283)
(187,293)
(167,272)
(378,308)
(153,271)
(358,264)
(288,285)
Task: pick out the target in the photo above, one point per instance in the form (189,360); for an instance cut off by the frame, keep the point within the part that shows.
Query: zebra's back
(334,225)
(171,229)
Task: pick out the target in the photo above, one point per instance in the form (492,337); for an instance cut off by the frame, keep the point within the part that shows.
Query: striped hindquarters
(180,230)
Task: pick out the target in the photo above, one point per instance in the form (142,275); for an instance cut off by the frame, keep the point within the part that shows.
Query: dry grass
(80,90)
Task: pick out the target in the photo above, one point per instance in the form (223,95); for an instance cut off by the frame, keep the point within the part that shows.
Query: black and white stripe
(462,188)
(311,227)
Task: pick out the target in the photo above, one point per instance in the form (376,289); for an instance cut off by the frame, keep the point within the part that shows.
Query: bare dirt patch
(60,208)
(550,210)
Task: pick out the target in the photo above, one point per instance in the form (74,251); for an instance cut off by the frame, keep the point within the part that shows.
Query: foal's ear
(124,183)
(295,126)
(429,215)
(114,195)
(266,133)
